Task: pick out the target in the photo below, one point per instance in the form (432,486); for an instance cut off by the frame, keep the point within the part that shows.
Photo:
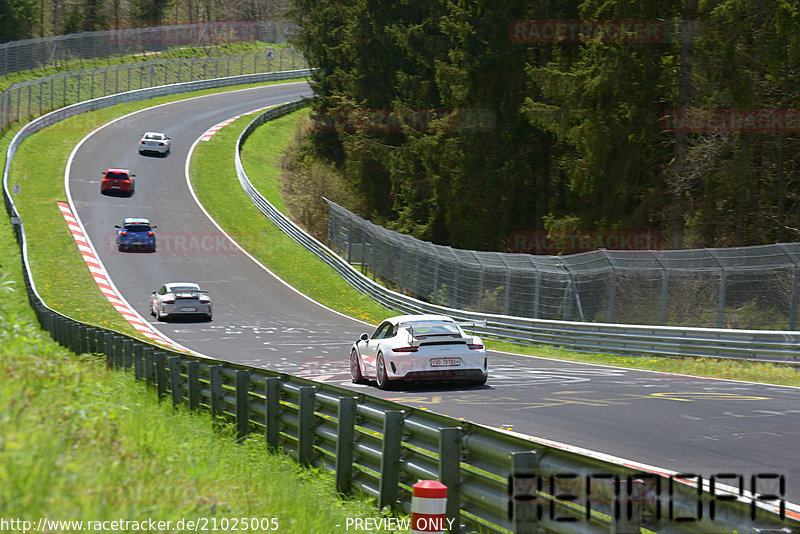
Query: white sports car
(154,142)
(418,347)
(180,299)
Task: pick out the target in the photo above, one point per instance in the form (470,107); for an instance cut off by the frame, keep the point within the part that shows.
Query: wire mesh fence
(29,54)
(742,287)
(25,100)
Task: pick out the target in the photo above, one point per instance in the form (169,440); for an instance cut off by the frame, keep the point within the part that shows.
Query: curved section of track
(679,423)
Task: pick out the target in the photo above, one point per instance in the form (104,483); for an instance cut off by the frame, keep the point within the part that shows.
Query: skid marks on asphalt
(511,374)
(571,397)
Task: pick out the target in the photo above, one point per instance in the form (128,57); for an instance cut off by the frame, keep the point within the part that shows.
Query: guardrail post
(52,325)
(127,354)
(450,473)
(76,343)
(272,400)
(89,340)
(70,336)
(107,349)
(390,458)
(629,518)
(344,444)
(80,338)
(524,511)
(175,382)
(65,334)
(61,332)
(161,374)
(149,357)
(77,338)
(116,348)
(138,360)
(242,403)
(193,378)
(305,429)
(215,375)
(97,341)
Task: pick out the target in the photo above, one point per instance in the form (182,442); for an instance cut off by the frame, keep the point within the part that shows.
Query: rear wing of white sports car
(472,324)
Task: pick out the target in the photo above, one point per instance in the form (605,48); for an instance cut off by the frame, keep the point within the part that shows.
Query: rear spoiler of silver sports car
(472,324)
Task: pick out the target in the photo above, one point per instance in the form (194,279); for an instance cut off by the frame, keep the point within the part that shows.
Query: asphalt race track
(684,424)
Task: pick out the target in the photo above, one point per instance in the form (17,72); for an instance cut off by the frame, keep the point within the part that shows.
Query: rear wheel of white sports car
(355,368)
(380,373)
(479,381)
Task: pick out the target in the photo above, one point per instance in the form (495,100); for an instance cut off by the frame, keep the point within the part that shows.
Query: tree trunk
(677,172)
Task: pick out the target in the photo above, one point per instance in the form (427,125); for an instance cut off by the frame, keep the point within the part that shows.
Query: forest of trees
(25,19)
(589,133)
(675,117)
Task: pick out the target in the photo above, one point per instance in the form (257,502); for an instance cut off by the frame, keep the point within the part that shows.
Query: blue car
(135,232)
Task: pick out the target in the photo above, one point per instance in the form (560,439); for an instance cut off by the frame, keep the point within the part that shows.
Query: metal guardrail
(478,493)
(497,482)
(763,345)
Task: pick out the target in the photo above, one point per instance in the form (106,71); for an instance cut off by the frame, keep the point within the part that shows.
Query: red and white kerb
(100,276)
(428,507)
(214,129)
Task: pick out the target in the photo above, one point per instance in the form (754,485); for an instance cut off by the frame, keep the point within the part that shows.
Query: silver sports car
(154,142)
(180,299)
(418,347)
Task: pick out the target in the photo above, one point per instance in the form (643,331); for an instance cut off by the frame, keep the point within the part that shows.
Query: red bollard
(428,506)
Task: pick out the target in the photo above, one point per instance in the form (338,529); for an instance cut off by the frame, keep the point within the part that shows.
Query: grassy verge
(186,52)
(213,171)
(81,443)
(38,168)
(260,157)
(99,77)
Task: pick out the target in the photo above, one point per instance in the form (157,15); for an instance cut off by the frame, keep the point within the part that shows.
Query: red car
(117,180)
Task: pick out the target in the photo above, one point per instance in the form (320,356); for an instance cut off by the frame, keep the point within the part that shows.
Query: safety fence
(16,56)
(737,288)
(497,482)
(25,100)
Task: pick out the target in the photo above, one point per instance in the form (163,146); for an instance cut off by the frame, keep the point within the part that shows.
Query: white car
(180,299)
(418,347)
(154,142)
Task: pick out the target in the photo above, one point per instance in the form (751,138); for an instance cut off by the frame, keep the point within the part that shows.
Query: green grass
(38,168)
(79,442)
(186,52)
(213,171)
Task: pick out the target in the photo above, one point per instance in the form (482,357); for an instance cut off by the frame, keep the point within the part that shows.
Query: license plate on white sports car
(188,309)
(445,362)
